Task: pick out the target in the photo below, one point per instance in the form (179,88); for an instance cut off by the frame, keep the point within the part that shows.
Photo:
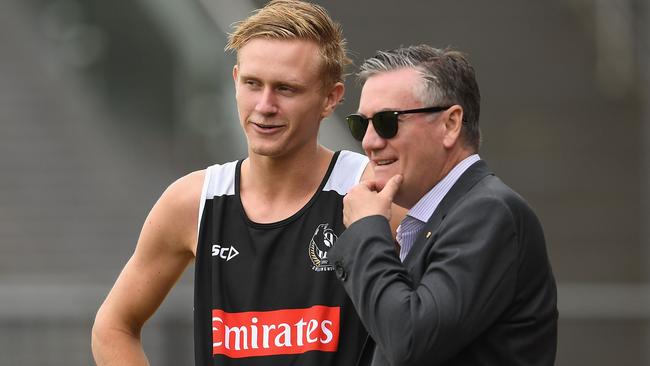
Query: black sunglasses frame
(384,122)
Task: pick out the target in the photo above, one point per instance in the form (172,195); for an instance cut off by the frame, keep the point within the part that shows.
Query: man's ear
(333,98)
(235,74)
(453,123)
(235,78)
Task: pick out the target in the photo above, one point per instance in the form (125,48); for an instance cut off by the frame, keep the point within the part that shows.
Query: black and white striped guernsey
(266,294)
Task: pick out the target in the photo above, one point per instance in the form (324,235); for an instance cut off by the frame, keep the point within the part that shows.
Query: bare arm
(166,246)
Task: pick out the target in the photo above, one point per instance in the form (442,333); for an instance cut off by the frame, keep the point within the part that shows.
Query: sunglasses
(384,122)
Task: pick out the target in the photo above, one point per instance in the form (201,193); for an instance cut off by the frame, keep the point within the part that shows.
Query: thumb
(391,187)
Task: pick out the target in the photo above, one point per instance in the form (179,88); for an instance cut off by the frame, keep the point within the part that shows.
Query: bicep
(143,284)
(164,249)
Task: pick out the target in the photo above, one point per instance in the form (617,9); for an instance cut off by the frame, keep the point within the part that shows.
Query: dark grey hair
(448,78)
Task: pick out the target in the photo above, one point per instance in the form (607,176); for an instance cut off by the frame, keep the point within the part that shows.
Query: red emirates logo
(277,332)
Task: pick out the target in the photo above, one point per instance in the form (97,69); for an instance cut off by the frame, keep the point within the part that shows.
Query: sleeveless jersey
(266,294)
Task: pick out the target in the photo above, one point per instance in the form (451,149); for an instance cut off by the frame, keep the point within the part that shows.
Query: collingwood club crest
(321,242)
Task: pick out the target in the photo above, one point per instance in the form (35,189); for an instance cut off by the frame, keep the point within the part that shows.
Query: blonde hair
(294,19)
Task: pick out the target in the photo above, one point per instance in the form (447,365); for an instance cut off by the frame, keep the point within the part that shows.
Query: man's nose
(266,104)
(372,140)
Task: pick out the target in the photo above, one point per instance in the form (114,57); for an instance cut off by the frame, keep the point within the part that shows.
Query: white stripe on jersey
(219,181)
(220,178)
(347,172)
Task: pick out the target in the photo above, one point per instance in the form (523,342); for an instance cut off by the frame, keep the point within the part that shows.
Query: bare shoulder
(165,247)
(185,191)
(175,215)
(368,173)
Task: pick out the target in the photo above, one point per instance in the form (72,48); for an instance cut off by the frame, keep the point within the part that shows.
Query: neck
(273,189)
(455,156)
(287,175)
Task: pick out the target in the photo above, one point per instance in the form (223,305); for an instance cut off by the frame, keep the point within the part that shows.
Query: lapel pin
(428,234)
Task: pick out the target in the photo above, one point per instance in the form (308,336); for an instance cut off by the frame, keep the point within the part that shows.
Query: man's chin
(266,150)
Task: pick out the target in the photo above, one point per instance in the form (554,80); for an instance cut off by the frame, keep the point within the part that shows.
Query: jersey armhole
(363,164)
(362,169)
(204,192)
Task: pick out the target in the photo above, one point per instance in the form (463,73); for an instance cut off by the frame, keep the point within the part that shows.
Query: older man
(471,283)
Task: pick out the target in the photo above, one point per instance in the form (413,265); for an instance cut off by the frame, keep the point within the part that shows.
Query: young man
(472,284)
(265,291)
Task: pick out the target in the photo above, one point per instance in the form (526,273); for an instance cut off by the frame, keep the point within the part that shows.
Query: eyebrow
(289,82)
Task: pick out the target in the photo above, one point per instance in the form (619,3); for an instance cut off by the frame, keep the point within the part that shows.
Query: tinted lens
(385,123)
(358,126)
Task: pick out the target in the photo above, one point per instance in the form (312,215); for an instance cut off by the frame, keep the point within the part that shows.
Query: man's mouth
(267,127)
(384,162)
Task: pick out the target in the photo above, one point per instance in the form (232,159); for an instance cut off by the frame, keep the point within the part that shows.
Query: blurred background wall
(104,103)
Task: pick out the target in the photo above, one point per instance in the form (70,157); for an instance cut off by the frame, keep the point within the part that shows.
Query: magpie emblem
(321,242)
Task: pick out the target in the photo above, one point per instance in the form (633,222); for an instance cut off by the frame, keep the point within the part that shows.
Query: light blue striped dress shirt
(418,215)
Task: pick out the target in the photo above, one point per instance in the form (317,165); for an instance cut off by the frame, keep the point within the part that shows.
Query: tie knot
(409,224)
(406,228)
(407,231)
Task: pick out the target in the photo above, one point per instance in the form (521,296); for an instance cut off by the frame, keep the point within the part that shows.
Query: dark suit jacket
(475,289)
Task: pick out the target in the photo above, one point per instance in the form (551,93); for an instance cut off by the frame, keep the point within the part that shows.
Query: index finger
(391,187)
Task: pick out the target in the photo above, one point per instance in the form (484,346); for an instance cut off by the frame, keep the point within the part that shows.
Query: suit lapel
(467,180)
